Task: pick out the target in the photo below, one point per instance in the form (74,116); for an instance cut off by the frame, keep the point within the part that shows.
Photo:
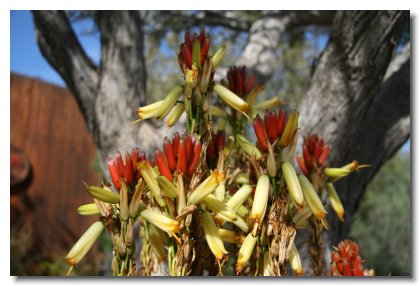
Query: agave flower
(127,171)
(315,154)
(239,82)
(346,261)
(275,127)
(182,155)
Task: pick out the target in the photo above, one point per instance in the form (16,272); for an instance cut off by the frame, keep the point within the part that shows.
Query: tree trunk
(363,117)
(107,95)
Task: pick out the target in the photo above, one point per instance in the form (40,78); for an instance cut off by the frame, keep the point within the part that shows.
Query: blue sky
(26,58)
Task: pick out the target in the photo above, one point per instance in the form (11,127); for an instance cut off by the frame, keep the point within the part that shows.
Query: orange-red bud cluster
(315,154)
(270,128)
(118,169)
(238,82)
(185,55)
(345,261)
(182,154)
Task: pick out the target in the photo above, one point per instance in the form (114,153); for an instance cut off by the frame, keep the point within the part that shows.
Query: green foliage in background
(382,225)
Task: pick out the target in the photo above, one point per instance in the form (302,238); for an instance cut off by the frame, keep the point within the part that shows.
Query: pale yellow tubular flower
(292,183)
(241,223)
(175,114)
(157,241)
(311,197)
(217,111)
(259,205)
(205,188)
(248,147)
(168,102)
(242,211)
(336,173)
(149,111)
(290,129)
(191,77)
(241,178)
(211,233)
(220,191)
(161,221)
(231,99)
(88,209)
(220,208)
(103,195)
(245,251)
(84,244)
(269,104)
(294,260)
(149,177)
(335,200)
(228,236)
(167,187)
(236,201)
(196,53)
(218,57)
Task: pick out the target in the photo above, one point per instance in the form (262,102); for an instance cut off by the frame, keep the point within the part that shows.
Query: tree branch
(260,52)
(59,45)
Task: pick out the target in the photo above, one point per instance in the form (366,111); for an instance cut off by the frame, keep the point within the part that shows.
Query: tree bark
(260,52)
(109,94)
(362,117)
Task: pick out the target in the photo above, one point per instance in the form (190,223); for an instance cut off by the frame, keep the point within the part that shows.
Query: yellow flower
(84,244)
(335,200)
(245,252)
(311,198)
(161,221)
(218,56)
(231,99)
(292,183)
(149,111)
(149,177)
(168,102)
(211,233)
(260,199)
(205,188)
(89,209)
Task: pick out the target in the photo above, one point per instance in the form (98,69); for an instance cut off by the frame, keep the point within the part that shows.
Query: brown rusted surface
(46,124)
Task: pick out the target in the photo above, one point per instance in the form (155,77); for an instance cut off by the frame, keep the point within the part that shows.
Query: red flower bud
(281,121)
(169,153)
(238,84)
(163,165)
(175,143)
(142,156)
(260,132)
(324,154)
(250,83)
(135,156)
(307,157)
(188,42)
(128,173)
(196,158)
(205,48)
(113,171)
(182,157)
(120,164)
(301,164)
(318,150)
(271,126)
(202,34)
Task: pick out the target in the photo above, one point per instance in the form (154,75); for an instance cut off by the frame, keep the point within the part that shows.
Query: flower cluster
(209,197)
(346,261)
